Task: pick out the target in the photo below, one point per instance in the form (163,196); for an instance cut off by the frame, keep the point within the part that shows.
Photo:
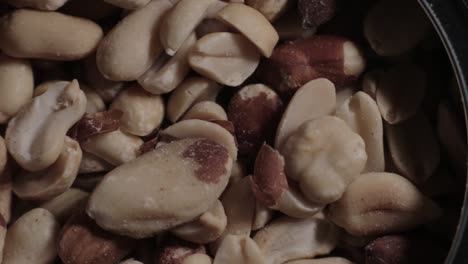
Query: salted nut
(239,249)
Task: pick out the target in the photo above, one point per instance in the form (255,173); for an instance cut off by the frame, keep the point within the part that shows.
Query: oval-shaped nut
(195,128)
(92,164)
(199,168)
(324,155)
(107,89)
(255,111)
(287,239)
(163,79)
(198,258)
(414,148)
(16,86)
(400,92)
(241,17)
(81,241)
(206,110)
(362,114)
(343,94)
(94,102)
(29,34)
(207,228)
(63,205)
(188,93)
(330,260)
(314,99)
(53,181)
(314,13)
(46,5)
(239,249)
(3,155)
(395,27)
(32,238)
(271,9)
(226,58)
(384,198)
(142,112)
(115,147)
(36,135)
(128,4)
(132,46)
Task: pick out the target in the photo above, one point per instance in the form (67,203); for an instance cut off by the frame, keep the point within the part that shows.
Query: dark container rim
(450,19)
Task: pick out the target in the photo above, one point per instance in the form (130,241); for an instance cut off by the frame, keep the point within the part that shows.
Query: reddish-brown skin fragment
(98,123)
(316,12)
(176,251)
(211,159)
(269,180)
(149,145)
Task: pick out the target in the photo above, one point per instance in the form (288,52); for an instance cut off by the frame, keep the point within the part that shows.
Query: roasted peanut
(262,216)
(238,249)
(209,26)
(91,164)
(271,9)
(94,102)
(64,204)
(206,110)
(107,89)
(198,258)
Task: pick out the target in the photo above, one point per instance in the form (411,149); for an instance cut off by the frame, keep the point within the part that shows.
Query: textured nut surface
(287,239)
(129,4)
(46,35)
(329,260)
(314,13)
(361,113)
(188,93)
(314,99)
(54,180)
(36,135)
(384,198)
(271,9)
(46,5)
(414,148)
(131,47)
(142,112)
(238,249)
(32,238)
(199,167)
(206,110)
(242,17)
(16,86)
(95,124)
(174,251)
(64,204)
(81,241)
(226,58)
(324,155)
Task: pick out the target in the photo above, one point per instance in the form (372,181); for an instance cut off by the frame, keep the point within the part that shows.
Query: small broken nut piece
(385,198)
(271,9)
(131,261)
(206,110)
(236,249)
(314,13)
(175,251)
(97,123)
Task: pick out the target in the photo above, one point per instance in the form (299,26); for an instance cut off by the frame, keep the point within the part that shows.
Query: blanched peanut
(362,114)
(46,5)
(199,168)
(56,179)
(315,99)
(3,155)
(206,110)
(32,239)
(344,94)
(324,155)
(384,198)
(142,112)
(48,35)
(174,31)
(160,79)
(239,249)
(115,147)
(207,228)
(16,86)
(332,260)
(209,26)
(63,205)
(287,239)
(197,258)
(271,9)
(94,102)
(132,46)
(242,17)
(91,164)
(129,4)
(226,58)
(35,136)
(107,89)
(188,93)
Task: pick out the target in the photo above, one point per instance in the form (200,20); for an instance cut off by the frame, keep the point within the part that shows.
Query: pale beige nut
(44,86)
(400,92)
(329,260)
(54,180)
(161,79)
(131,47)
(129,4)
(242,17)
(107,89)
(324,155)
(362,114)
(64,204)
(35,136)
(32,238)
(343,94)
(289,27)
(208,26)
(206,110)
(384,198)
(195,128)
(143,112)
(188,93)
(314,99)
(94,102)
(198,258)
(131,261)
(226,58)
(88,182)
(3,155)
(91,164)
(288,238)
(16,86)
(207,228)
(115,147)
(30,34)
(238,172)
(46,5)
(413,148)
(200,169)
(214,9)
(395,27)
(271,9)
(262,216)
(239,249)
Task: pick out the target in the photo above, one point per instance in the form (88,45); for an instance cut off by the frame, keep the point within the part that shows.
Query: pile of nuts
(219,132)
